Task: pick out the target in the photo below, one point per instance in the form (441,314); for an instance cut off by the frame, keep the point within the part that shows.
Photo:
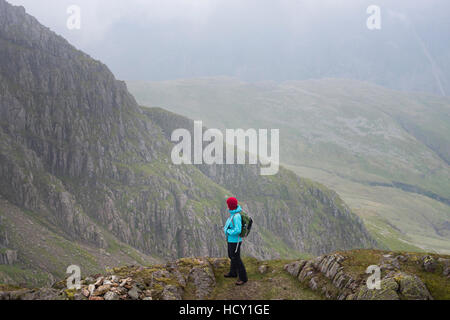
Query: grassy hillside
(44,253)
(384,152)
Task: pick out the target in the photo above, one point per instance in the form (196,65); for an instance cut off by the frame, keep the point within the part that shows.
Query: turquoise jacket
(233,229)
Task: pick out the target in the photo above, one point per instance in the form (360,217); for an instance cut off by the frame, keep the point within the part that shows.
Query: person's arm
(236,226)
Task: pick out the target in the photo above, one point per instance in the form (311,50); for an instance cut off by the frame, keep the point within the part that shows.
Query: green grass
(397,219)
(275,284)
(45,254)
(280,247)
(22,276)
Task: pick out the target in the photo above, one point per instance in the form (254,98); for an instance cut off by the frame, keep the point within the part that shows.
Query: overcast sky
(251,39)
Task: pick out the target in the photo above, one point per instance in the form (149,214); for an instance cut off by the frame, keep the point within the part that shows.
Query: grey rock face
(429,263)
(8,257)
(411,287)
(445,266)
(27,294)
(111,296)
(388,291)
(4,242)
(171,292)
(397,286)
(134,293)
(328,275)
(330,270)
(294,267)
(203,278)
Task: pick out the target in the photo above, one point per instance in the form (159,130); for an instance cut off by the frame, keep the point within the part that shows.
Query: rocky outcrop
(430,264)
(395,287)
(446,267)
(334,276)
(33,294)
(202,278)
(326,273)
(8,256)
(4,239)
(192,278)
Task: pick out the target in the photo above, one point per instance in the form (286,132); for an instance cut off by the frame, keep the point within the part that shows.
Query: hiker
(232,229)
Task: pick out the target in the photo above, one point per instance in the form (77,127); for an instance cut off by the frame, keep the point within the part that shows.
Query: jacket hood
(237,210)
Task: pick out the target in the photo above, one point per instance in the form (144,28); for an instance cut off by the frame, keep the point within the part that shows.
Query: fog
(260,40)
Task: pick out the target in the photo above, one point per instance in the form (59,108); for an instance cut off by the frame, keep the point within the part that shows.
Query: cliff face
(81,160)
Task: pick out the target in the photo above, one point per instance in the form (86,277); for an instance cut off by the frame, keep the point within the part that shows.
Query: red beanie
(232,203)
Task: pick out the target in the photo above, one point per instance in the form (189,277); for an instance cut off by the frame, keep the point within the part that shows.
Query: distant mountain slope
(385,152)
(84,169)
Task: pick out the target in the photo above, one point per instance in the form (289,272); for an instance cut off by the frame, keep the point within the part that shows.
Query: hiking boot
(240,282)
(227,275)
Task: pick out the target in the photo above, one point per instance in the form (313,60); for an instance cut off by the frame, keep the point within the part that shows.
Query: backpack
(247,223)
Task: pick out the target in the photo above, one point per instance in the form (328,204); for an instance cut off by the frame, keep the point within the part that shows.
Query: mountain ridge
(335,276)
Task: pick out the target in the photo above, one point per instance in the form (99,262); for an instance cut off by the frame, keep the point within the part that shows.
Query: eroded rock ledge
(341,276)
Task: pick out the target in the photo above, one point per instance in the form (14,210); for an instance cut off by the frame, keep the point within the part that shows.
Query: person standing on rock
(232,229)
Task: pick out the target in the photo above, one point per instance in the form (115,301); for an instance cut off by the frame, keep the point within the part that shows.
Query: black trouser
(237,267)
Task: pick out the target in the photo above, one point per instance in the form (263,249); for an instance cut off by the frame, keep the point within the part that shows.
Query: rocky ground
(406,276)
(336,276)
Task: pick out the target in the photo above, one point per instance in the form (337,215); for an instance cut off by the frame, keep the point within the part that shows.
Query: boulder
(111,296)
(203,279)
(91,289)
(429,263)
(295,267)
(263,268)
(102,290)
(85,292)
(445,266)
(411,287)
(171,292)
(306,272)
(134,293)
(8,257)
(99,281)
(388,291)
(397,286)
(313,283)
